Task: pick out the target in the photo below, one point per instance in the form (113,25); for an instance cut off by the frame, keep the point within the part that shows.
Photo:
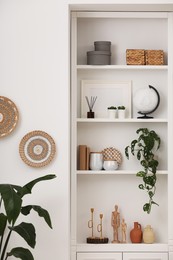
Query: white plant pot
(110,165)
(112,113)
(121,113)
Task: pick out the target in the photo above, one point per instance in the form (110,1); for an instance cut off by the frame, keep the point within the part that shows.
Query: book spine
(82,157)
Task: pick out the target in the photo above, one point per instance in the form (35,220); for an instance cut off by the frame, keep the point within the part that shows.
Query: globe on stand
(146,100)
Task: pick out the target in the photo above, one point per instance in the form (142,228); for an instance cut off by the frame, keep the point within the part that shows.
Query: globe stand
(145,114)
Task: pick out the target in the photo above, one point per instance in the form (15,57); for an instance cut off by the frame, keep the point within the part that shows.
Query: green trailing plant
(144,147)
(11,206)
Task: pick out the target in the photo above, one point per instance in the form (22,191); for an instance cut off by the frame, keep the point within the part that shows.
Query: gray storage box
(98,58)
(102,46)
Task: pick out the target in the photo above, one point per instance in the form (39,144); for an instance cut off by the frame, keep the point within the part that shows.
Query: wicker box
(135,57)
(154,57)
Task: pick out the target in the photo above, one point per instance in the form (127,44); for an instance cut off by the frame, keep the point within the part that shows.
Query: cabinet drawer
(145,256)
(99,256)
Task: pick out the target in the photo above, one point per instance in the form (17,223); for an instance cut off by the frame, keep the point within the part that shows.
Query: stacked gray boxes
(101,55)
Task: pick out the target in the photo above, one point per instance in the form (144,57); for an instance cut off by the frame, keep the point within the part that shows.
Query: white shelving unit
(101,190)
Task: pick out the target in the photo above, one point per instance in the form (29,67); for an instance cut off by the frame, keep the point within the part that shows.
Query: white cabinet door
(145,256)
(99,256)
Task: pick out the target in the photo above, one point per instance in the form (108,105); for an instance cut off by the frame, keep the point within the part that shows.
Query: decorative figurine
(123,230)
(93,239)
(115,222)
(90,223)
(90,103)
(99,226)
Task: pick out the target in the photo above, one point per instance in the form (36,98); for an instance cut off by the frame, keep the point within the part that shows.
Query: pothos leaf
(139,155)
(141,186)
(147,207)
(154,203)
(127,152)
(140,174)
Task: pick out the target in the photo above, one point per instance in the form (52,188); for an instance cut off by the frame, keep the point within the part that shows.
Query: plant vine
(143,148)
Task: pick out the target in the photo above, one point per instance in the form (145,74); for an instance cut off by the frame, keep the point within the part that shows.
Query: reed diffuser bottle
(91,102)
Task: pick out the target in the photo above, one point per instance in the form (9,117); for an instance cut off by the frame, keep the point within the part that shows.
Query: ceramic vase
(136,233)
(148,235)
(96,161)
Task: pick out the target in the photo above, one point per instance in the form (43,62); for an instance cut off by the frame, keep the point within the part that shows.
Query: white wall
(34,73)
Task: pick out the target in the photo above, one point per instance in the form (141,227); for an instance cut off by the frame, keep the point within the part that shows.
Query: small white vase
(96,161)
(112,113)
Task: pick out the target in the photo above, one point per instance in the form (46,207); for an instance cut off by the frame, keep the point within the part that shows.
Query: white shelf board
(131,7)
(116,120)
(121,172)
(122,67)
(141,247)
(122,15)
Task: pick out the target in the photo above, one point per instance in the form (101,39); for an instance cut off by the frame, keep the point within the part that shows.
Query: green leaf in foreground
(22,253)
(27,231)
(41,212)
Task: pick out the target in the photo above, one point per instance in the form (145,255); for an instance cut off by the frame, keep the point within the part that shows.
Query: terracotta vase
(136,233)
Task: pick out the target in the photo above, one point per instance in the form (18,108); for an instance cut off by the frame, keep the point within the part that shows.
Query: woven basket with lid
(135,57)
(154,57)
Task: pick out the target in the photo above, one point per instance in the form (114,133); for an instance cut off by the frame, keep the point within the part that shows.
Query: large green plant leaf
(41,212)
(22,253)
(27,231)
(12,202)
(26,189)
(3,223)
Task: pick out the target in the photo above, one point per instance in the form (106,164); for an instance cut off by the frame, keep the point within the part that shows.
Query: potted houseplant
(11,205)
(144,148)
(121,111)
(112,111)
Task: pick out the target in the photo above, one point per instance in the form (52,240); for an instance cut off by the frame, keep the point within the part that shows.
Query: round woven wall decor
(8,116)
(37,148)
